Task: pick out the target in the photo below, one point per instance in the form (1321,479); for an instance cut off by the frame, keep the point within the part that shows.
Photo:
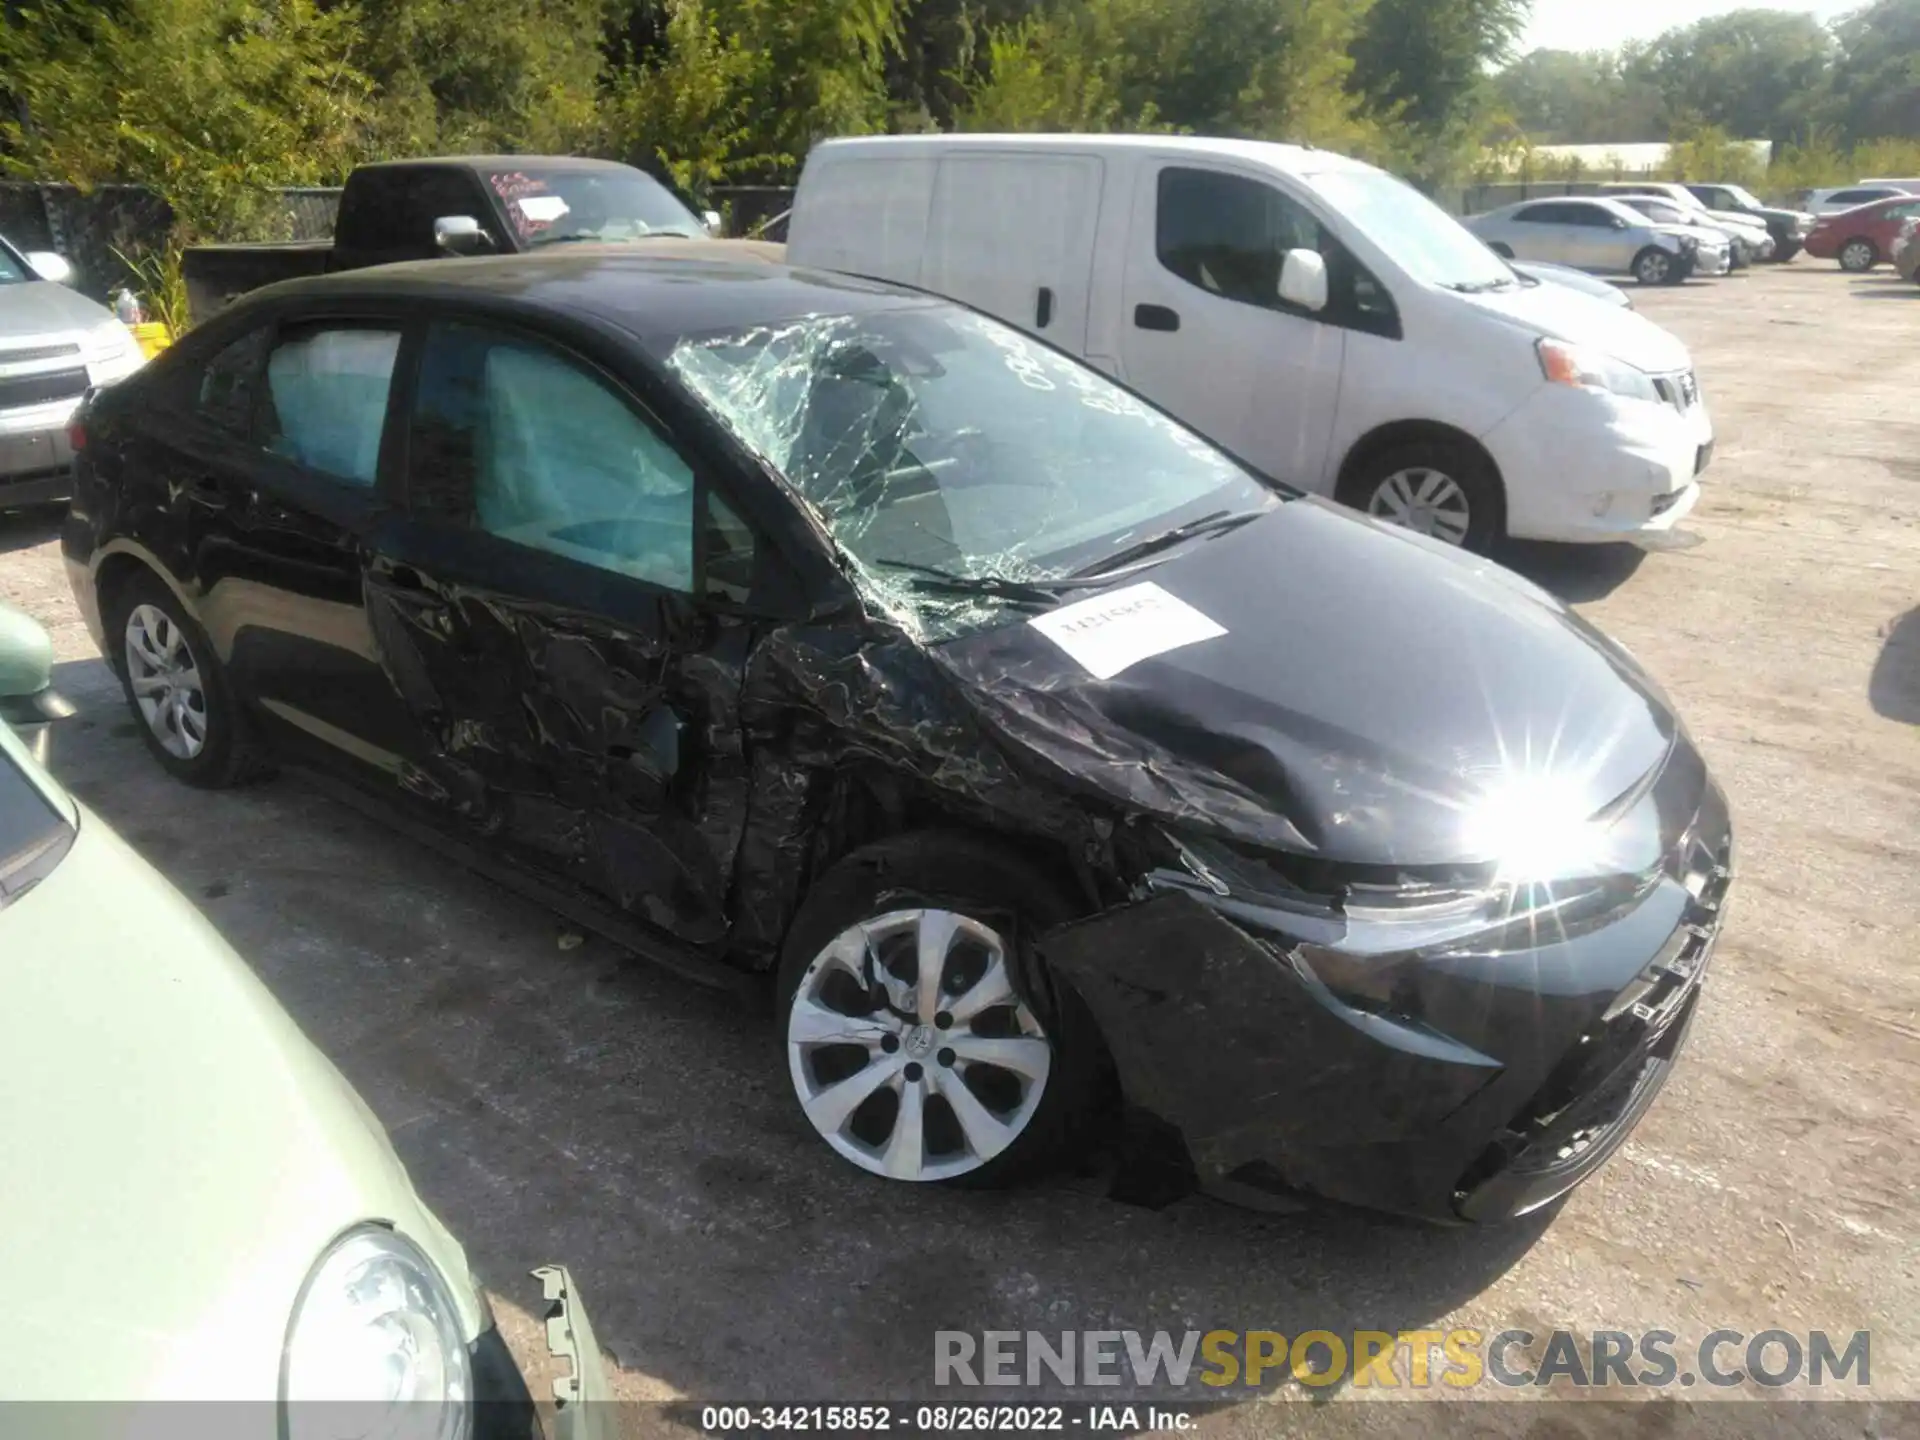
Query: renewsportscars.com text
(1409,1359)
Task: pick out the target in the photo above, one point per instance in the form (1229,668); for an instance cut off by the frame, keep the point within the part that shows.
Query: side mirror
(49,266)
(460,235)
(711,219)
(1303,280)
(1620,222)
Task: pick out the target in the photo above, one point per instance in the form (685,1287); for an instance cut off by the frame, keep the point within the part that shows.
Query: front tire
(1439,488)
(177,690)
(1858,256)
(924,1038)
(1654,266)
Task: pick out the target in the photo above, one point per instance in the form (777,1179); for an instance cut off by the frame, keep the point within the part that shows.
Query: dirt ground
(571,1104)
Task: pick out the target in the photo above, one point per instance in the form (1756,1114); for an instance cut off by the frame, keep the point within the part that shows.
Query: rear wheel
(176,688)
(1858,256)
(1438,488)
(923,1036)
(1654,266)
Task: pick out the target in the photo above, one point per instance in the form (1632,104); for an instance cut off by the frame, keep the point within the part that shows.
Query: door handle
(1156,317)
(1043,310)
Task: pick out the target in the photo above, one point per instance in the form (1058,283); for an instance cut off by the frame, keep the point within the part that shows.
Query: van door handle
(1156,317)
(1043,311)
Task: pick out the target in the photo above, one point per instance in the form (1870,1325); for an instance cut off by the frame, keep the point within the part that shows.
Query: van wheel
(1858,256)
(1438,488)
(923,1036)
(1654,266)
(176,689)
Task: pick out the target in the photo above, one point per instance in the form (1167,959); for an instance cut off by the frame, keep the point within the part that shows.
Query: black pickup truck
(458,205)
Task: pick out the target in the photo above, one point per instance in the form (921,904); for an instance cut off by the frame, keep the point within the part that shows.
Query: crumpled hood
(40,307)
(179,1154)
(1369,691)
(1565,315)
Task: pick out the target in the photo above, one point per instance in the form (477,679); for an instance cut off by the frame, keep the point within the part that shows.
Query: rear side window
(371,209)
(1543,215)
(327,390)
(225,393)
(1593,217)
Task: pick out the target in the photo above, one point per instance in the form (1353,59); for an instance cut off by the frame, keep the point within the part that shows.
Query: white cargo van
(1320,318)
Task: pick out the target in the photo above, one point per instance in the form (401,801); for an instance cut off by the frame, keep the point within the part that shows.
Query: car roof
(644,294)
(1605,202)
(1271,154)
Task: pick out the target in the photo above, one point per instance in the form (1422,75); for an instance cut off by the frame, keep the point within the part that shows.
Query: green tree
(686,110)
(208,102)
(1423,65)
(1876,82)
(479,75)
(1756,74)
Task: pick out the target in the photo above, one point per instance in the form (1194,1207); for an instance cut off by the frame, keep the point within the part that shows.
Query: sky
(1603,24)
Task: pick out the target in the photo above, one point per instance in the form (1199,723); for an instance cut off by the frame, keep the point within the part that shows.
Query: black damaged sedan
(773,621)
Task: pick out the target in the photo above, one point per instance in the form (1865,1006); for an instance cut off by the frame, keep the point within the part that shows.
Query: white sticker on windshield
(1110,632)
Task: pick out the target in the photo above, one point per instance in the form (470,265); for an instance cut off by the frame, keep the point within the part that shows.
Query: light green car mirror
(27,696)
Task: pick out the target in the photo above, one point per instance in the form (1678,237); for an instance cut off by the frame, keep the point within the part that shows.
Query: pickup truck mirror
(460,235)
(49,266)
(1303,280)
(711,219)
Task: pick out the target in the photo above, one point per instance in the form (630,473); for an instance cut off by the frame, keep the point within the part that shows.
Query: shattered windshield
(962,465)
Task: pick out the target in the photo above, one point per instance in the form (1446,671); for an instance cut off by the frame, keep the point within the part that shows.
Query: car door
(1543,232)
(270,458)
(1013,234)
(559,606)
(1205,333)
(1596,238)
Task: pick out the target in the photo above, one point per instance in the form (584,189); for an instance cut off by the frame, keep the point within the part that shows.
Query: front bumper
(504,1408)
(36,460)
(1585,467)
(1468,1084)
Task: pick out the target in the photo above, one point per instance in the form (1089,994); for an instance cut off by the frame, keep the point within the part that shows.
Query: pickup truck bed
(216,275)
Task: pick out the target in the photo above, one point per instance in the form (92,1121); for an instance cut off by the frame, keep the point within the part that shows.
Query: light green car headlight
(375,1347)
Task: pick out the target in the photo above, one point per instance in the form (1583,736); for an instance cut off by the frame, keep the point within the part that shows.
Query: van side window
(1229,235)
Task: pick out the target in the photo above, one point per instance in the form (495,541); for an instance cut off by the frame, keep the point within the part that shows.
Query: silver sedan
(1601,236)
(54,343)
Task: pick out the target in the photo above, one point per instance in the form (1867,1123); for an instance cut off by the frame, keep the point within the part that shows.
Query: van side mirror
(460,235)
(49,266)
(1303,280)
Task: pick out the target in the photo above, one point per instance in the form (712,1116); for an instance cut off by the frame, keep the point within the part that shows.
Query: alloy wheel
(165,677)
(1856,255)
(911,1052)
(1426,501)
(1653,268)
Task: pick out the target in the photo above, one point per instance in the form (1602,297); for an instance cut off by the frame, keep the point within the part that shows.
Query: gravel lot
(571,1104)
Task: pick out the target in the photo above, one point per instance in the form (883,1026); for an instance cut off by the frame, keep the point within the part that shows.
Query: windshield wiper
(1217,523)
(931,580)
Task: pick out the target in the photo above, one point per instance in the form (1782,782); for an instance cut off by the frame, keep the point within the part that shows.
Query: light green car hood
(174,1153)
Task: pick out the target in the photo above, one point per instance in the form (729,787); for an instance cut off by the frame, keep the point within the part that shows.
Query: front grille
(25,390)
(36,352)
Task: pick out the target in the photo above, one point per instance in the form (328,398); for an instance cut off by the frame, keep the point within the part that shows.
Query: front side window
(1228,234)
(13,266)
(225,392)
(534,447)
(1541,215)
(327,390)
(935,439)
